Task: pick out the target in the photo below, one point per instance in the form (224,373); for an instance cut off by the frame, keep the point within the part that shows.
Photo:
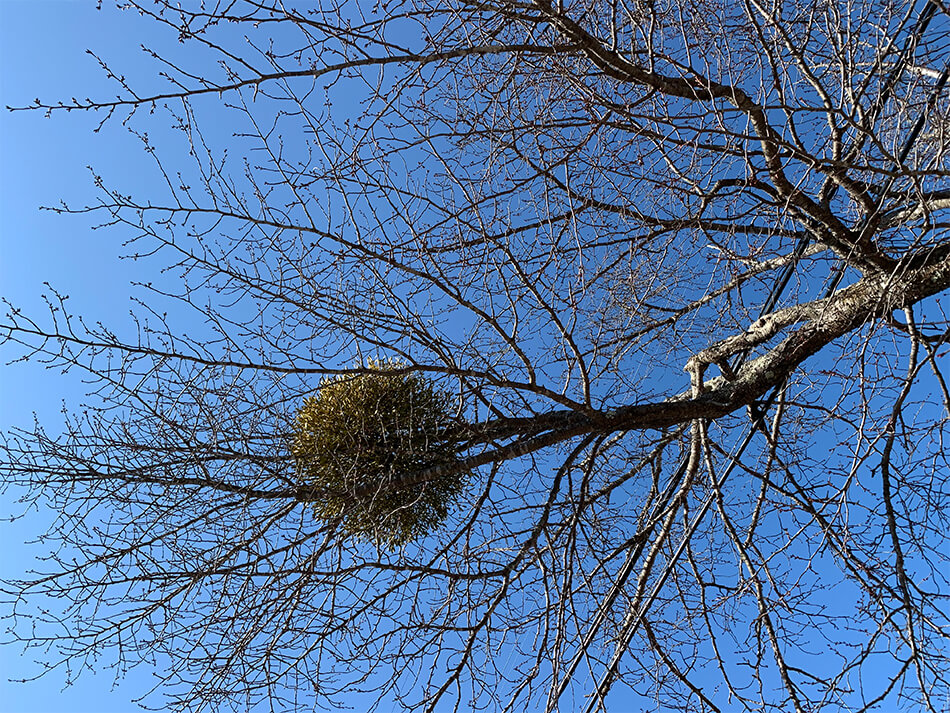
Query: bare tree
(547,211)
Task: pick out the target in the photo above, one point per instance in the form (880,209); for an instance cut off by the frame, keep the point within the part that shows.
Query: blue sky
(43,161)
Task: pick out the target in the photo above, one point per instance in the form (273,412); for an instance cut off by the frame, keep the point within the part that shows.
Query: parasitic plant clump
(357,441)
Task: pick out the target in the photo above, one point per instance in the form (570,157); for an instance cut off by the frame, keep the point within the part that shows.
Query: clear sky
(43,161)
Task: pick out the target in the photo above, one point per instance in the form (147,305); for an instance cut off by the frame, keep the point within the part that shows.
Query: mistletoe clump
(359,438)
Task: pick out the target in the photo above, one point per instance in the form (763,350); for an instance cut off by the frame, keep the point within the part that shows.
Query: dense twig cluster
(359,437)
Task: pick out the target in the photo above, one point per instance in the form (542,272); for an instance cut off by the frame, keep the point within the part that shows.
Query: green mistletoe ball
(357,440)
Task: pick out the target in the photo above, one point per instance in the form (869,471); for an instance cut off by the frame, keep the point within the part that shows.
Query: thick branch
(826,320)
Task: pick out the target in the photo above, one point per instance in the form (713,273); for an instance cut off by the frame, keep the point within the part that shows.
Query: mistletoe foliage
(357,440)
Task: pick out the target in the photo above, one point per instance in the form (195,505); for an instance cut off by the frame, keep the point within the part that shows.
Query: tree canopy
(646,301)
